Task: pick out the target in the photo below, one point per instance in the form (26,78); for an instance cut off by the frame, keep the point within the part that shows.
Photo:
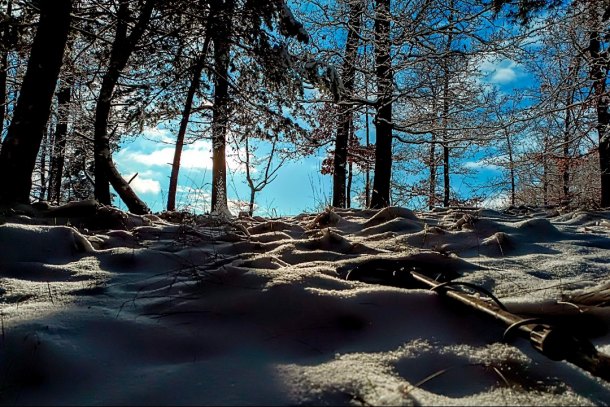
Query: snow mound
(212,310)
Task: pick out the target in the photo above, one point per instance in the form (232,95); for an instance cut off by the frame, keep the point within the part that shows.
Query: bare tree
(260,169)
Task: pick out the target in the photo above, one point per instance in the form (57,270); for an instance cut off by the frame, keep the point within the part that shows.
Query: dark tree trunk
(122,48)
(383,119)
(251,204)
(545,171)
(221,33)
(445,118)
(3,79)
(340,200)
(432,160)
(186,114)
(446,179)
(367,187)
(566,148)
(59,143)
(445,143)
(599,71)
(511,167)
(22,142)
(350,175)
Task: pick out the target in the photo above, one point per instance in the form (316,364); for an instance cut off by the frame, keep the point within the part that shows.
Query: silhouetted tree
(22,142)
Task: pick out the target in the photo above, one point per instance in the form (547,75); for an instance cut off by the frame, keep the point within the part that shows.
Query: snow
(112,308)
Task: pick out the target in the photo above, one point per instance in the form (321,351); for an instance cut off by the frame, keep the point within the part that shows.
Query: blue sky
(150,156)
(299,186)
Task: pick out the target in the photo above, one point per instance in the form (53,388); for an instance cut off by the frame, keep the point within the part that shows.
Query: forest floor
(102,307)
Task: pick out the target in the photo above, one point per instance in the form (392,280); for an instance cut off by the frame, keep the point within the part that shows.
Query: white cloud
(481,165)
(157,134)
(197,155)
(143,185)
(499,71)
(504,75)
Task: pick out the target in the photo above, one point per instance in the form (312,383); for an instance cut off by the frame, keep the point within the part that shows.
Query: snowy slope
(123,310)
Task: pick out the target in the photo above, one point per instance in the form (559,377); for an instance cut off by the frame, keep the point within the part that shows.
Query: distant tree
(261,169)
(595,16)
(25,133)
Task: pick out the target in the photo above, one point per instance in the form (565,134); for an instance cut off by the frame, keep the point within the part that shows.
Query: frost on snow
(220,310)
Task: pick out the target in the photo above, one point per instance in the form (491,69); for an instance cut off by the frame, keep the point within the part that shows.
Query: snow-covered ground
(119,309)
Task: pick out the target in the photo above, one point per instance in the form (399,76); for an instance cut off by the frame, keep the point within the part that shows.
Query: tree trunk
(59,144)
(346,110)
(122,48)
(599,76)
(44,152)
(446,179)
(22,142)
(511,167)
(445,118)
(545,171)
(186,114)
(251,204)
(566,150)
(4,68)
(350,176)
(367,187)
(432,161)
(383,119)
(445,142)
(432,185)
(220,113)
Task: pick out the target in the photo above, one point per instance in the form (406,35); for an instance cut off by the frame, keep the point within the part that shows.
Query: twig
(132,178)
(50,293)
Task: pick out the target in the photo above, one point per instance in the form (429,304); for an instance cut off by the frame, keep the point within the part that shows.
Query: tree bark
(221,33)
(346,110)
(445,117)
(566,147)
(511,167)
(122,48)
(545,171)
(4,68)
(445,142)
(186,114)
(22,142)
(599,75)
(432,160)
(350,176)
(59,143)
(44,152)
(383,120)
